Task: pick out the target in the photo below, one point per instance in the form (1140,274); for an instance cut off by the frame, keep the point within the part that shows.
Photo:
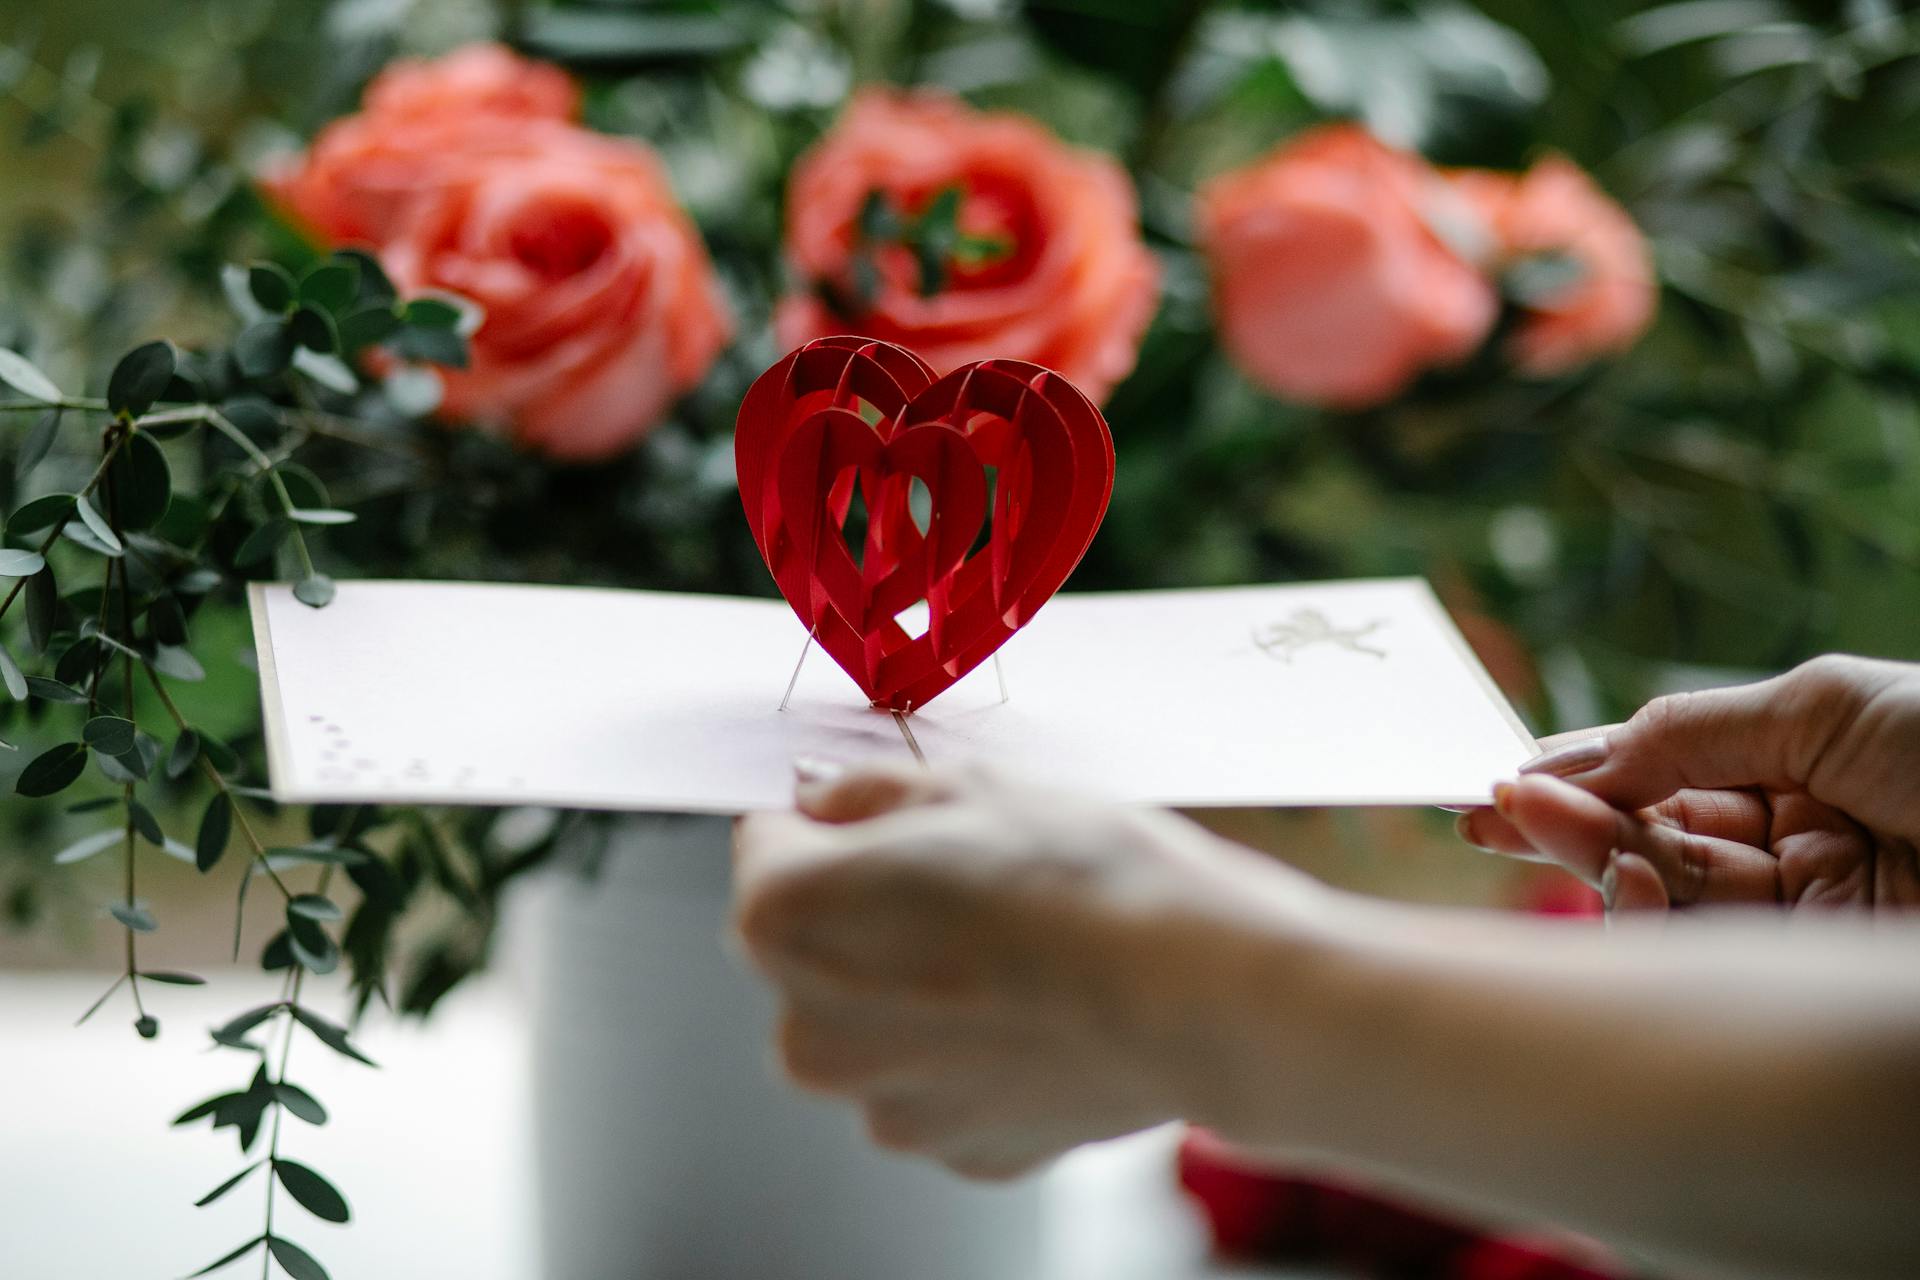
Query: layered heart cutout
(873,487)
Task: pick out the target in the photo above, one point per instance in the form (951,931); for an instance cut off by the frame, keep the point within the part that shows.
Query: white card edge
(1477,668)
(273,715)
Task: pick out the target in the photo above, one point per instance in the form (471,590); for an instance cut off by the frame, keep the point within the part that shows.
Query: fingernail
(1610,881)
(1503,798)
(813,771)
(1575,757)
(1463,827)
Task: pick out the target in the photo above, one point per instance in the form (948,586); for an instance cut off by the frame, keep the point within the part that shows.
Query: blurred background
(1729,489)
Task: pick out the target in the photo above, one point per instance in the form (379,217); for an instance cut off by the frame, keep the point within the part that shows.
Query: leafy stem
(119,438)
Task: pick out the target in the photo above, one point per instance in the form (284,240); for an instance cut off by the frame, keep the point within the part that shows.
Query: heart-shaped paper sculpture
(980,493)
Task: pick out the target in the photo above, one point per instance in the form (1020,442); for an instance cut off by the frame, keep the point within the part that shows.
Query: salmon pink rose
(966,235)
(1555,210)
(1330,285)
(356,182)
(601,307)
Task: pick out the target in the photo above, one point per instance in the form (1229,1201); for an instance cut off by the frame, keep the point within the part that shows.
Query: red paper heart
(846,417)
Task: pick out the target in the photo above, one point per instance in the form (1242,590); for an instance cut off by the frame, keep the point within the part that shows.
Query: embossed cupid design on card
(1014,468)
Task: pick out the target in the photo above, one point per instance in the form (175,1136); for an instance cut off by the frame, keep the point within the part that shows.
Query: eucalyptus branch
(53,534)
(258,850)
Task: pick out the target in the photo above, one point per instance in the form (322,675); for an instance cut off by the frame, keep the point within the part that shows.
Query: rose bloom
(1330,285)
(464,175)
(357,180)
(1069,284)
(1554,208)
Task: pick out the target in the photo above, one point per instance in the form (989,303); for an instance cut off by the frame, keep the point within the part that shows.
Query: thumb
(827,793)
(1769,734)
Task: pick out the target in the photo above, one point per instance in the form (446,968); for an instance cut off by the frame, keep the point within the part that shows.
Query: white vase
(669,1148)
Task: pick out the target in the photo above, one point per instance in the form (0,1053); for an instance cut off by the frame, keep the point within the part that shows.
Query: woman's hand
(1802,790)
(994,973)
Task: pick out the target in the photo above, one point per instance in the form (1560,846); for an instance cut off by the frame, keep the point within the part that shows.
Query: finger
(1580,831)
(871,790)
(1571,752)
(1770,734)
(1636,886)
(1486,829)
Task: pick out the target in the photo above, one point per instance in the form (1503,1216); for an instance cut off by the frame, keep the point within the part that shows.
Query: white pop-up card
(1340,693)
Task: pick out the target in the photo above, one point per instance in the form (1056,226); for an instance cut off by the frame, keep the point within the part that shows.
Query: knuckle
(1662,717)
(810,1055)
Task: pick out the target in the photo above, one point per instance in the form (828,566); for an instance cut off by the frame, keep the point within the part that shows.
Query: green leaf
(301,1103)
(86,846)
(375,288)
(173,979)
(235,1256)
(172,660)
(230,1033)
(53,770)
(167,621)
(320,515)
(10,677)
(315,330)
(227,1186)
(147,1025)
(365,328)
(331,286)
(134,765)
(216,826)
(112,735)
(270,286)
(315,1194)
(136,918)
(431,346)
(316,592)
(15,563)
(263,541)
(141,377)
(311,944)
(186,749)
(42,513)
(20,374)
(335,1038)
(43,608)
(37,443)
(263,348)
(219,755)
(201,1110)
(431,313)
(146,824)
(98,526)
(320,854)
(142,483)
(314,906)
(297,1262)
(54,691)
(627,40)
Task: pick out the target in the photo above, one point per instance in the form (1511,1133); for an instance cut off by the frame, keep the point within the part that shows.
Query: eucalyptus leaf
(314,906)
(316,592)
(43,608)
(186,750)
(10,676)
(146,824)
(315,1194)
(53,770)
(98,526)
(113,735)
(297,1262)
(147,1026)
(15,563)
(235,1256)
(87,846)
(37,443)
(320,515)
(180,664)
(41,513)
(216,827)
(270,285)
(264,348)
(263,541)
(311,944)
(300,1103)
(54,691)
(334,1037)
(227,1186)
(142,483)
(134,916)
(20,374)
(140,378)
(330,286)
(173,978)
(315,330)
